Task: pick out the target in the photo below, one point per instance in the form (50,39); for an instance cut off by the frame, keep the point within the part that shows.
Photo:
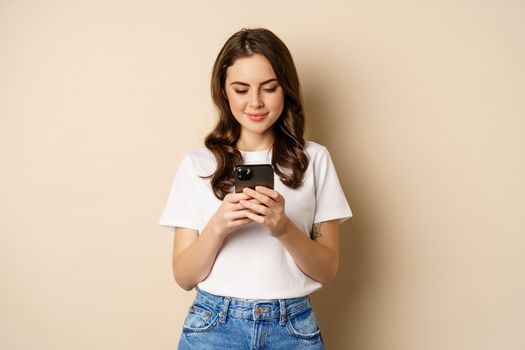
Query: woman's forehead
(254,69)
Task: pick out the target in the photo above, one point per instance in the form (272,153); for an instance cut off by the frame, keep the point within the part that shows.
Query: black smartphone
(251,175)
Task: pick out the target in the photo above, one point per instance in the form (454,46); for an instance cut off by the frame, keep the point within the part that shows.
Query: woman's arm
(194,254)
(317,257)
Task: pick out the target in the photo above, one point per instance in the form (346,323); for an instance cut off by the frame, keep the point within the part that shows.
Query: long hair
(289,158)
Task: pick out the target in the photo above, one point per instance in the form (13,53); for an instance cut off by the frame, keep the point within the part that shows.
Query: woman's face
(255,97)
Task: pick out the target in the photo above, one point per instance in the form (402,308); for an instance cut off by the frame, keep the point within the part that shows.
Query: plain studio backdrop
(421,104)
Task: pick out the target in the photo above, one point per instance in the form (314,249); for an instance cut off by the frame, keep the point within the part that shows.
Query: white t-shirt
(251,263)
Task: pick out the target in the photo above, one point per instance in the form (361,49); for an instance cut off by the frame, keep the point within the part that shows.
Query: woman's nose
(256,100)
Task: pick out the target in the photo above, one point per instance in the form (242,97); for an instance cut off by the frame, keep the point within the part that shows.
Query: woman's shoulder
(202,160)
(314,149)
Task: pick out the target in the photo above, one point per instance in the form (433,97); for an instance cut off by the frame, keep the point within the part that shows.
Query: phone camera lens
(244,174)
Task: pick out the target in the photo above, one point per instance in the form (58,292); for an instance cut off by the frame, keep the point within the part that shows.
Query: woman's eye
(241,91)
(271,89)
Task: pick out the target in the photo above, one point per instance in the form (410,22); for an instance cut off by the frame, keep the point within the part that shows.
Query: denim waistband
(254,309)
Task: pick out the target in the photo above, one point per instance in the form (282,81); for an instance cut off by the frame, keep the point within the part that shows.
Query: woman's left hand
(268,207)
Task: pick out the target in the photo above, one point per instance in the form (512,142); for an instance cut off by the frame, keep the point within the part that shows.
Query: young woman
(255,256)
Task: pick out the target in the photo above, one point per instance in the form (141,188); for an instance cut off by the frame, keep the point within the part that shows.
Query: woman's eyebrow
(264,82)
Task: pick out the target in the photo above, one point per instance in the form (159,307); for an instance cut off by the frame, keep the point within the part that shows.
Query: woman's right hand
(231,214)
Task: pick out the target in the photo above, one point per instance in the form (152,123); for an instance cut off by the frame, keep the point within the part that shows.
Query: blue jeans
(217,322)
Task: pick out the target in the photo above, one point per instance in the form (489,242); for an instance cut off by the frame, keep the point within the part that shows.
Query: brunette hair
(289,158)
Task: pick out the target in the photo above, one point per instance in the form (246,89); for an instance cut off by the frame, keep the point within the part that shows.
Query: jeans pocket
(200,318)
(304,325)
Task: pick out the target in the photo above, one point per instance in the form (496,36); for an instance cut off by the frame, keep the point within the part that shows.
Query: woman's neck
(255,144)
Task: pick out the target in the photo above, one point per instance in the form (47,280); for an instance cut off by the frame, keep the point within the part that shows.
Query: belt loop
(284,316)
(224,310)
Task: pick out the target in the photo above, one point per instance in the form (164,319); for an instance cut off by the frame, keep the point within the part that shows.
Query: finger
(236,197)
(235,207)
(259,208)
(269,192)
(259,196)
(254,200)
(256,218)
(235,215)
(239,206)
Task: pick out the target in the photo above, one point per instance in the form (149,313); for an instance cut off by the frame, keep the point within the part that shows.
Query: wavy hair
(289,158)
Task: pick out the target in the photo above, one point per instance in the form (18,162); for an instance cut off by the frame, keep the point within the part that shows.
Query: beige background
(421,104)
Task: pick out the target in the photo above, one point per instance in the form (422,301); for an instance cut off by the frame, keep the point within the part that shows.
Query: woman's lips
(256,116)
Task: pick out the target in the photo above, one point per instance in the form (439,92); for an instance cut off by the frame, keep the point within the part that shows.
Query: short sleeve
(331,202)
(179,210)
